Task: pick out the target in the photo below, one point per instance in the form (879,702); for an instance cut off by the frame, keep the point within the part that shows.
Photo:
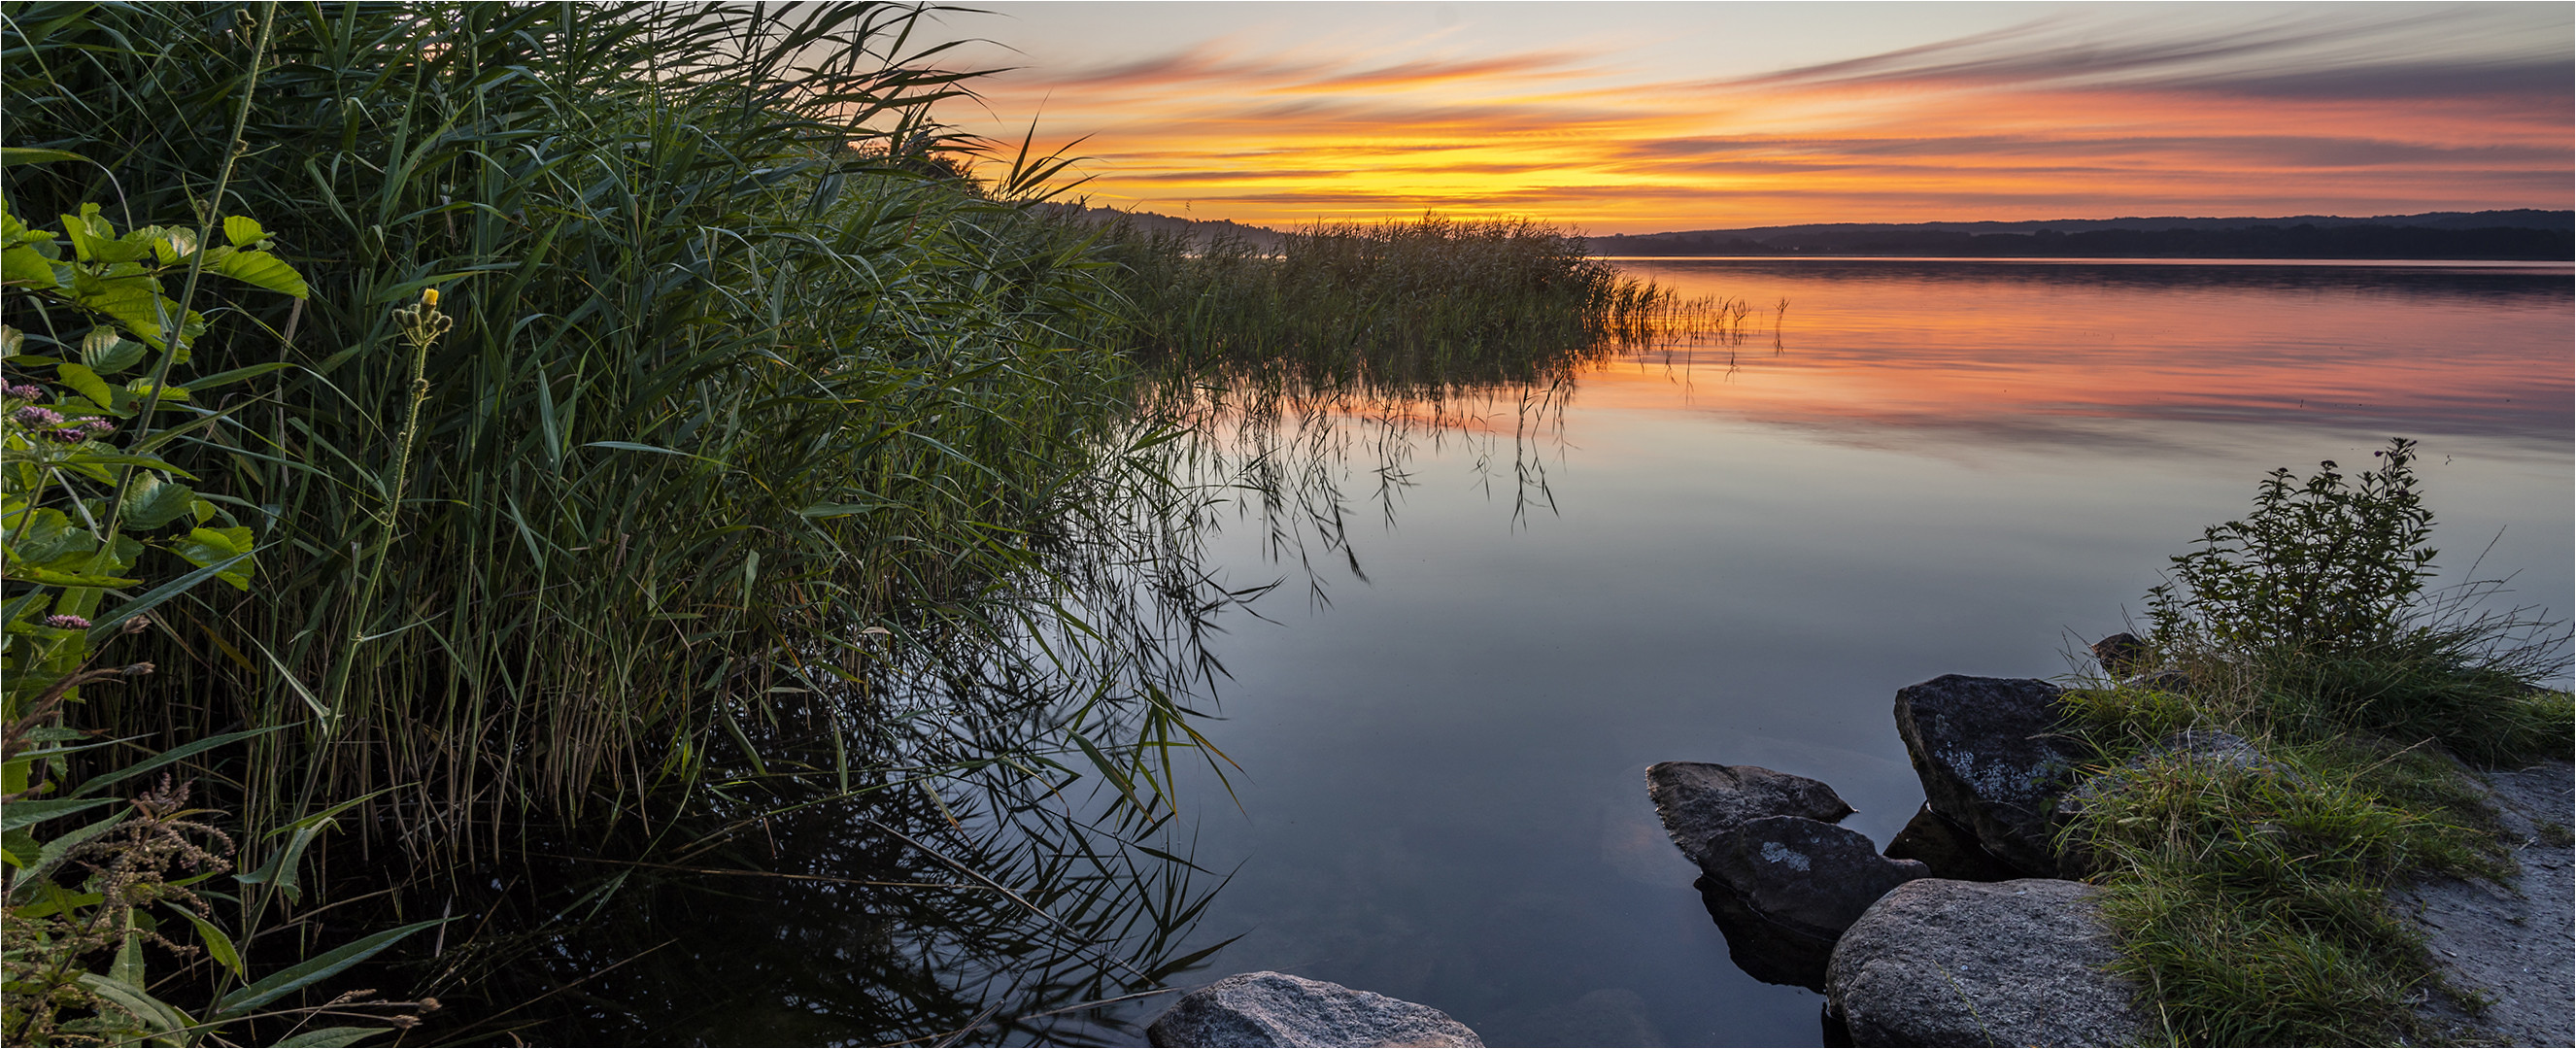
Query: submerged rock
(1783,888)
(1939,962)
(1766,950)
(1269,1008)
(1948,848)
(1811,877)
(1697,800)
(1992,758)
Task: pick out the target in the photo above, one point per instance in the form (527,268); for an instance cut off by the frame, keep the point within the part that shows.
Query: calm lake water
(1739,553)
(1495,611)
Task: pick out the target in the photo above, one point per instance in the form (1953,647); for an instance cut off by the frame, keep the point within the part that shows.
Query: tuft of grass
(2252,903)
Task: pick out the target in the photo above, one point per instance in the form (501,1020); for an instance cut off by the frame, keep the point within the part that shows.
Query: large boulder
(1812,877)
(1696,800)
(1948,848)
(1939,962)
(1993,758)
(1268,1008)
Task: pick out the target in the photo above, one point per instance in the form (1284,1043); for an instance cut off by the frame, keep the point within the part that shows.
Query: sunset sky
(1639,117)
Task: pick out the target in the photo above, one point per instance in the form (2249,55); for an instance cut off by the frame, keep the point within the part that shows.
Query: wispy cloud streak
(2344,110)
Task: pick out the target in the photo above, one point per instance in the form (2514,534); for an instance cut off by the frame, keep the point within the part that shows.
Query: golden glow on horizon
(1568,136)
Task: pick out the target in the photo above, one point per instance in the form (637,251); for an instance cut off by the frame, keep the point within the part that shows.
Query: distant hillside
(1202,230)
(2523,234)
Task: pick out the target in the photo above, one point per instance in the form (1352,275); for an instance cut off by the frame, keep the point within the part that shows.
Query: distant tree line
(2251,242)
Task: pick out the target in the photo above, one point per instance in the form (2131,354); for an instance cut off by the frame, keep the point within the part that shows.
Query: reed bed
(745,398)
(1430,303)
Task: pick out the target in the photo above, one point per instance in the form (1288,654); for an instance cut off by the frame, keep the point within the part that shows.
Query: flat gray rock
(1813,877)
(1268,1008)
(1939,962)
(1696,799)
(2515,944)
(1992,758)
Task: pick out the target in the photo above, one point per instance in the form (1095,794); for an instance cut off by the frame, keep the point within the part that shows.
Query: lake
(1493,610)
(1738,553)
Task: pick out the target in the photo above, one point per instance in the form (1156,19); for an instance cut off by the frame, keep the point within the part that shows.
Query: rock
(1268,1008)
(2510,943)
(1810,877)
(1939,962)
(1697,800)
(1783,888)
(2122,655)
(1948,848)
(1992,758)
(1765,950)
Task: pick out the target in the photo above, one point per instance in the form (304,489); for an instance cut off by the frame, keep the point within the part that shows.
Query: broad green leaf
(48,535)
(260,269)
(94,240)
(313,970)
(134,301)
(153,502)
(79,377)
(243,231)
(29,813)
(107,353)
(25,266)
(142,388)
(205,547)
(331,1037)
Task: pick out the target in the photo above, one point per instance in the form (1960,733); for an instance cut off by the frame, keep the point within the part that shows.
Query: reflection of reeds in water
(1307,378)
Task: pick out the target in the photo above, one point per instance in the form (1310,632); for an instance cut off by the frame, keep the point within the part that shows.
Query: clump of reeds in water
(1434,302)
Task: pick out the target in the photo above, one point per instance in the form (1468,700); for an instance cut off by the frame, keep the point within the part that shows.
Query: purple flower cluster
(33,416)
(24,392)
(67,622)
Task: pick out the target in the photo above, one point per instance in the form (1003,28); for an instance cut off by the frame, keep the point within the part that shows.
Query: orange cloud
(2280,118)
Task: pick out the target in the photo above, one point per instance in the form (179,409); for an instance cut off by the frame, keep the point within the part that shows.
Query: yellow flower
(429,296)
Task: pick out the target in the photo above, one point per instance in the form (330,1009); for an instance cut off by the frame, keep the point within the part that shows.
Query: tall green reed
(736,399)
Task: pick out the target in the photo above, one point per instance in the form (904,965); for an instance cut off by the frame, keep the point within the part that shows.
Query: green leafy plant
(2322,565)
(79,516)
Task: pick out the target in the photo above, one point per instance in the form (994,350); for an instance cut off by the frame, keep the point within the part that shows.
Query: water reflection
(1737,553)
(2021,354)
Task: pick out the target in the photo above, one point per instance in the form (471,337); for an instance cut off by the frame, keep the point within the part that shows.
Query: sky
(1645,117)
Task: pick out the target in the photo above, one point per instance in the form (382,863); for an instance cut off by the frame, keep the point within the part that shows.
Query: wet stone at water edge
(1697,799)
(1269,1008)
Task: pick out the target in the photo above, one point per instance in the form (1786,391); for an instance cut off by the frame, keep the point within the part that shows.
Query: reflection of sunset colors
(1254,113)
(1897,358)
